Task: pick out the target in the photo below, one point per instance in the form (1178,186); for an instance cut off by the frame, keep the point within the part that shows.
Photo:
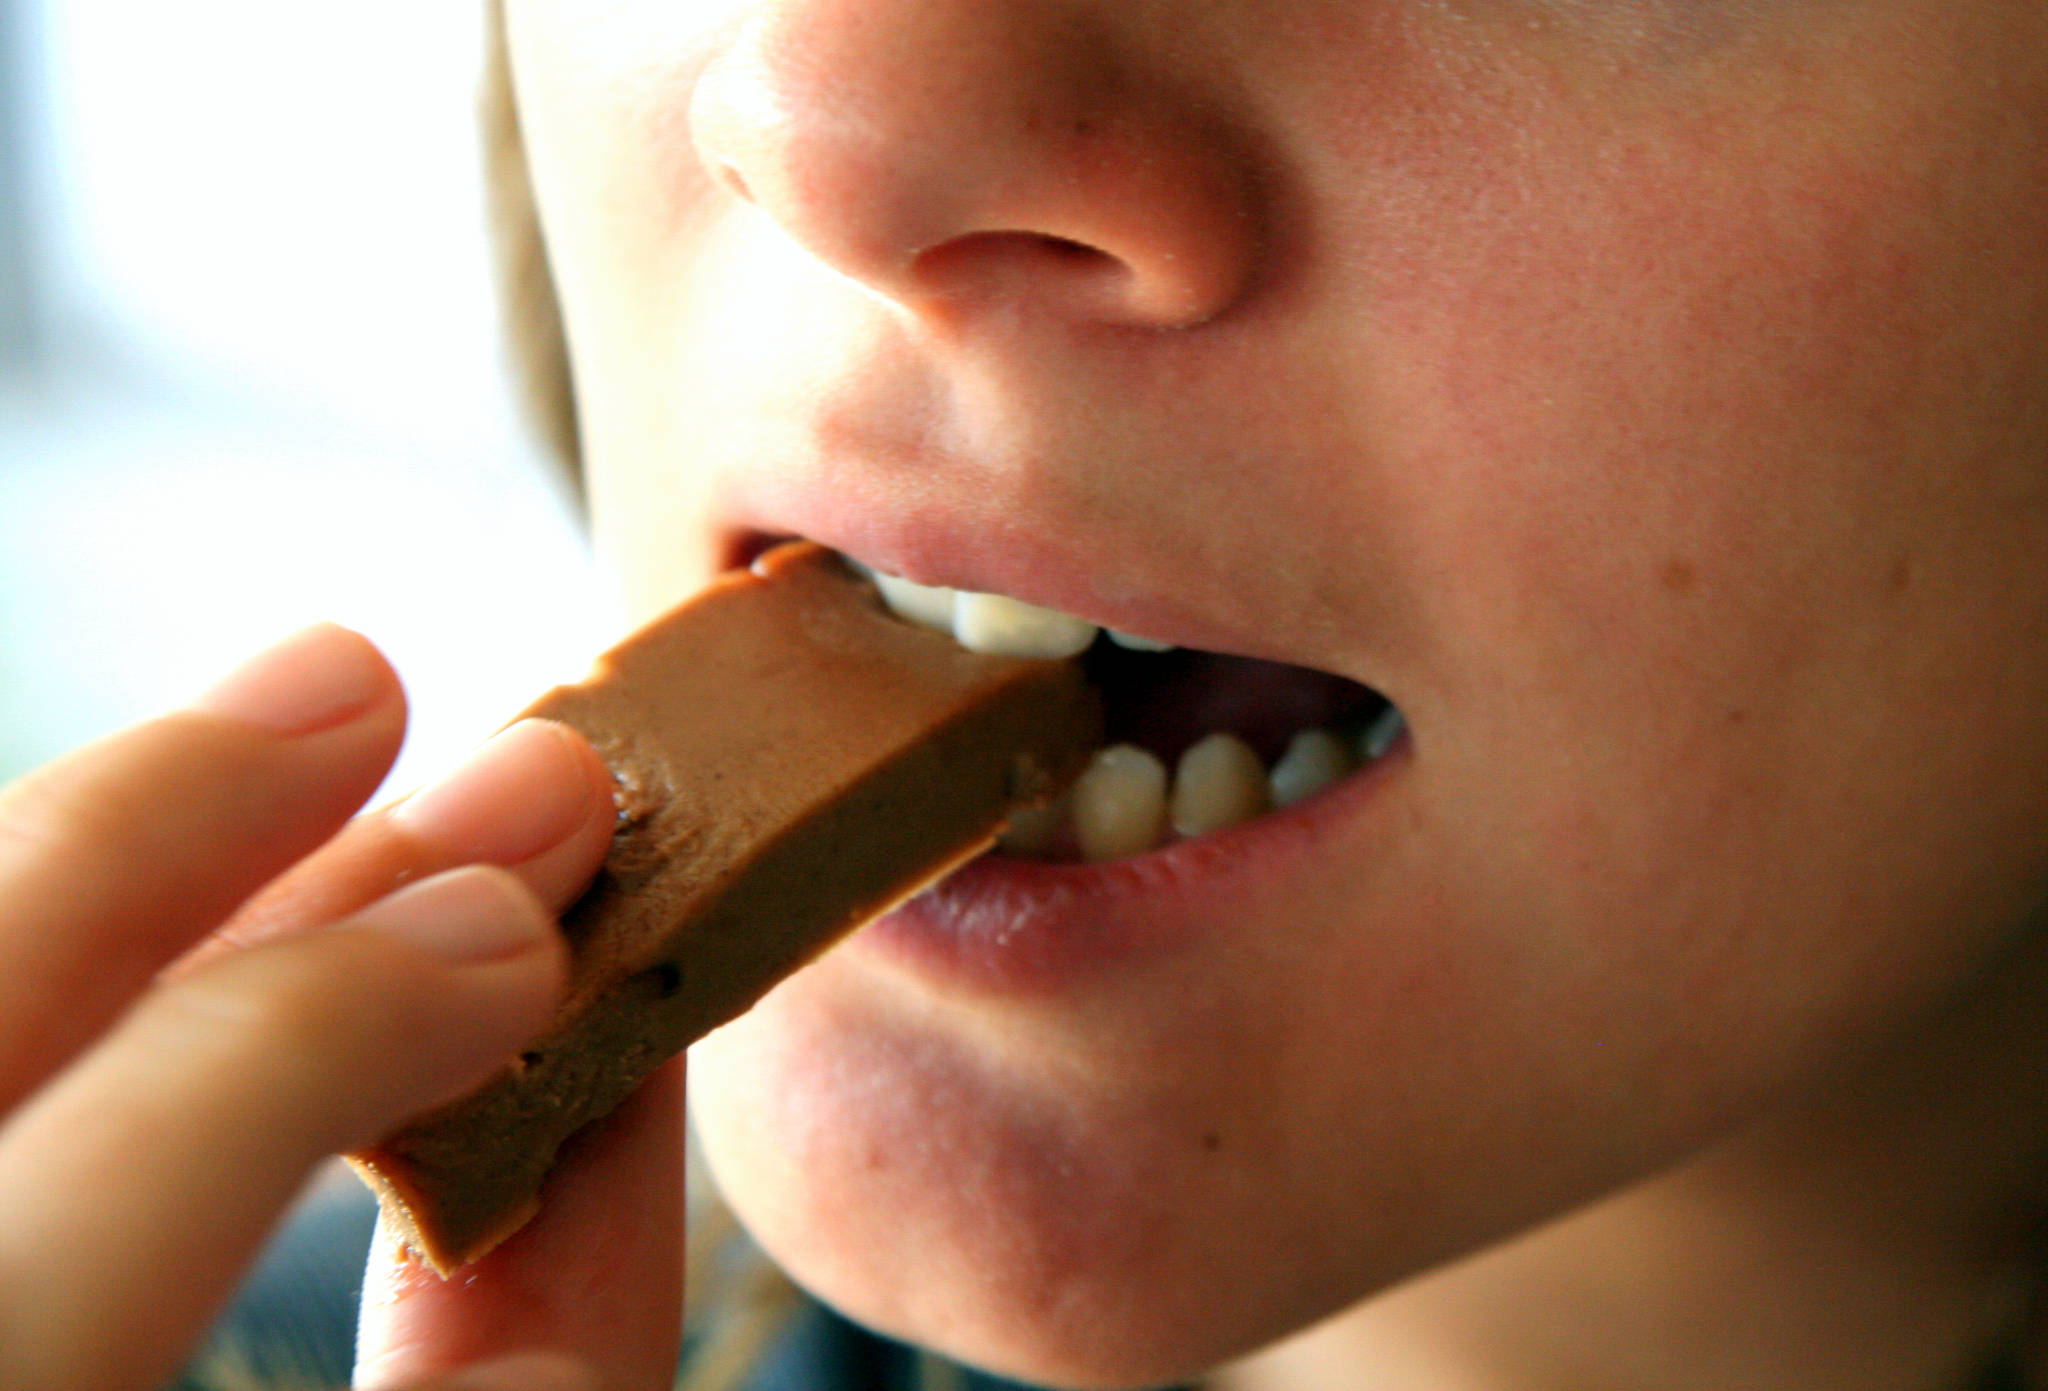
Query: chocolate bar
(791,760)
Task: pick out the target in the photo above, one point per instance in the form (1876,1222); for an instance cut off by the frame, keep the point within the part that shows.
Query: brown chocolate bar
(792,760)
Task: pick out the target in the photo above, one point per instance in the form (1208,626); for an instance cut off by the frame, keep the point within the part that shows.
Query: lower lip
(1002,926)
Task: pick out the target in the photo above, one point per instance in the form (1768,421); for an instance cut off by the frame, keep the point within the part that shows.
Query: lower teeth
(1120,803)
(1314,759)
(1219,782)
(1127,802)
(1381,734)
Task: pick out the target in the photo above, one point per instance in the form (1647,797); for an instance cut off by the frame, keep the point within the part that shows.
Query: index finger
(116,858)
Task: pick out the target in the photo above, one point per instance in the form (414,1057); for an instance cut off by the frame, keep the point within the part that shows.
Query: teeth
(1126,801)
(1219,783)
(1314,759)
(928,605)
(1120,804)
(992,623)
(997,625)
(1380,735)
(1012,628)
(1036,830)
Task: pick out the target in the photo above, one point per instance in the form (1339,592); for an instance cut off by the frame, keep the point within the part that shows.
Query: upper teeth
(926,604)
(996,624)
(1013,628)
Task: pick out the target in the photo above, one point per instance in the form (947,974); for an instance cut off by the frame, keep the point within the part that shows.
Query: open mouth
(1197,741)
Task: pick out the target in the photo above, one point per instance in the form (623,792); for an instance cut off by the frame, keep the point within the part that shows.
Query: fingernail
(524,791)
(526,1371)
(316,679)
(466,916)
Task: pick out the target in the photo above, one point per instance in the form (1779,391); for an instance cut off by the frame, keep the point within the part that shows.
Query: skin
(1644,396)
(247,988)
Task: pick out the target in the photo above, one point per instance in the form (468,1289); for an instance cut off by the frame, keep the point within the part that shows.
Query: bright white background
(264,383)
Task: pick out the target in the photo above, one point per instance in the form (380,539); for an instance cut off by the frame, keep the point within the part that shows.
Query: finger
(116,858)
(524,1371)
(535,798)
(136,1187)
(597,1275)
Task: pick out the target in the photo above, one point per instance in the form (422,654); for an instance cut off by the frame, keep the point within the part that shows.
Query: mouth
(1196,742)
(1232,789)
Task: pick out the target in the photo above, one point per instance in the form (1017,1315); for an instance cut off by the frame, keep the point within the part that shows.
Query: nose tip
(957,154)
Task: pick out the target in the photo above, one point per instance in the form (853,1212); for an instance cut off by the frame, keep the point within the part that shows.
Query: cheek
(623,202)
(1674,300)
(1662,381)
(1638,324)
(1711,452)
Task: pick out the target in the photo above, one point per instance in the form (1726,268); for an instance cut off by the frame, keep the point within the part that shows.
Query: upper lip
(878,472)
(1110,582)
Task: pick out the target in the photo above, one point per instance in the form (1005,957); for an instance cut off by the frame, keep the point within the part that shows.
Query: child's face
(1650,398)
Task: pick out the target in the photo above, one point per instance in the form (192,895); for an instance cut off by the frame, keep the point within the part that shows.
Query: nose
(960,154)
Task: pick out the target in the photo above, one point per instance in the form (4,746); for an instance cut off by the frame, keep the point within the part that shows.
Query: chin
(987,1213)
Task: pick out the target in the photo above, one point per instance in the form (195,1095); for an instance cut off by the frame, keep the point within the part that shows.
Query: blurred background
(250,372)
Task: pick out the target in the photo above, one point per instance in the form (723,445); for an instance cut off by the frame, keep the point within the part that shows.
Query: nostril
(1062,248)
(1018,265)
(1023,246)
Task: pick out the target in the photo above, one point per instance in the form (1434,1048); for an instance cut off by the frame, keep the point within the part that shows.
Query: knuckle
(307,1006)
(136,794)
(327,1035)
(43,814)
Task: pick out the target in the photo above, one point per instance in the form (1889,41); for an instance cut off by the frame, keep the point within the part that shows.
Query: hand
(162,1105)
